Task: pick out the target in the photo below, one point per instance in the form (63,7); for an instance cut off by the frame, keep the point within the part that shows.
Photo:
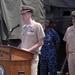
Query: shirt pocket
(30,33)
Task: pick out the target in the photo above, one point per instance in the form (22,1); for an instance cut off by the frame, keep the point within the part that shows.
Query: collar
(29,25)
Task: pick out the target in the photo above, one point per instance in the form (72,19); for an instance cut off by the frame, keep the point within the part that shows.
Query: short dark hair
(50,21)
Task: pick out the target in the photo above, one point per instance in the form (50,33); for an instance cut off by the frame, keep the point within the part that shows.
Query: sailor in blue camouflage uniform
(48,51)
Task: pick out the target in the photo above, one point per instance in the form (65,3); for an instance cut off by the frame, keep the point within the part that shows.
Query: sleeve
(56,37)
(65,36)
(40,32)
(22,31)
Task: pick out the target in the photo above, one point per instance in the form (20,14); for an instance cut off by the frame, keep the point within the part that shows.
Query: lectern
(14,61)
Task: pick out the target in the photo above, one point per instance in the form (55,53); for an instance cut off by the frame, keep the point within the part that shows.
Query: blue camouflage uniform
(48,53)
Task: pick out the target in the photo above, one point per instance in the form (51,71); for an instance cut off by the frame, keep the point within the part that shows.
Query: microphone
(15,27)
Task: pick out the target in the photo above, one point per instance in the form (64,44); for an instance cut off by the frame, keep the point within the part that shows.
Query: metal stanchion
(61,71)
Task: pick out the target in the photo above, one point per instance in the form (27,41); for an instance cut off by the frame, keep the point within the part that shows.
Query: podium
(14,61)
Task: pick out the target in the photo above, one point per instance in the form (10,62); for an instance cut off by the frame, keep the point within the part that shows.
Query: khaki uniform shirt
(70,38)
(31,34)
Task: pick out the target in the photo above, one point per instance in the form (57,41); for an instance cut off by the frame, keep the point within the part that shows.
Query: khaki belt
(72,53)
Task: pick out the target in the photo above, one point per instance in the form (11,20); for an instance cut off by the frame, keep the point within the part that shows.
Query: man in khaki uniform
(70,45)
(32,36)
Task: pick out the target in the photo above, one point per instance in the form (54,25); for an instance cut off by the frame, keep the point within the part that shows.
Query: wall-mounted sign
(2,71)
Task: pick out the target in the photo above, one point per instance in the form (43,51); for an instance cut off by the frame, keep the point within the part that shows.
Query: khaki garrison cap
(25,9)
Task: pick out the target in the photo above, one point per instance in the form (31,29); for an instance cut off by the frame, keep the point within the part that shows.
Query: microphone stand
(7,40)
